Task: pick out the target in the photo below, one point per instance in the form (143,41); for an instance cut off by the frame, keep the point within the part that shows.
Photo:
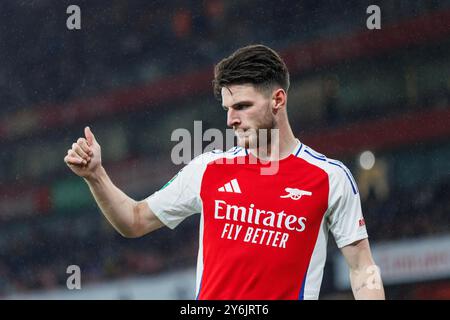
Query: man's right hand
(85,156)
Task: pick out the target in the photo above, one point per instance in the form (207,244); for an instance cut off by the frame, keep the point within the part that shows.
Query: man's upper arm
(345,218)
(348,227)
(358,254)
(180,197)
(145,220)
(365,277)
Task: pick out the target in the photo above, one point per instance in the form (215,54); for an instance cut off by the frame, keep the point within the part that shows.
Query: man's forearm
(115,205)
(367,284)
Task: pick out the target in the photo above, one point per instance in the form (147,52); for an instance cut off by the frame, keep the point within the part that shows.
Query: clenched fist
(85,156)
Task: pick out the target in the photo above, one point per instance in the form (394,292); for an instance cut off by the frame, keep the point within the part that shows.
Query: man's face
(248,111)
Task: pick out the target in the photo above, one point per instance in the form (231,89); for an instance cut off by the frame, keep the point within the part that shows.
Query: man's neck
(280,147)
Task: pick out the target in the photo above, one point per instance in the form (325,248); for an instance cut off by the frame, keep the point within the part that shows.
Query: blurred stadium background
(379,100)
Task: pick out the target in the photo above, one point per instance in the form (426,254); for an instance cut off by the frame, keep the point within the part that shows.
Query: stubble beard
(255,137)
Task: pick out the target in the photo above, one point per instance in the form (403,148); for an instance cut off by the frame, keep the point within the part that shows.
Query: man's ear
(279,96)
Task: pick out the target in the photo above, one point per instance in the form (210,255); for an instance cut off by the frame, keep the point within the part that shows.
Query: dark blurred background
(379,100)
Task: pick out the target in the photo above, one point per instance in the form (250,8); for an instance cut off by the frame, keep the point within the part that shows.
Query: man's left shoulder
(319,159)
(337,171)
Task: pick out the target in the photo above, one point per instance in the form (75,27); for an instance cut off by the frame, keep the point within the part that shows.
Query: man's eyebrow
(244,102)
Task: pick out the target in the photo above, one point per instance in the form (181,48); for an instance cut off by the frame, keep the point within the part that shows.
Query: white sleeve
(345,218)
(180,197)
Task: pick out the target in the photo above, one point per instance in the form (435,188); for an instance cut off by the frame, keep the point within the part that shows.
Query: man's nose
(232,118)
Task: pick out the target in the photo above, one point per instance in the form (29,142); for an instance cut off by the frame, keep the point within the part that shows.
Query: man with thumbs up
(256,241)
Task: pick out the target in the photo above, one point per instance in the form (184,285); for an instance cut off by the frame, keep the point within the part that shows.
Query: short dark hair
(255,64)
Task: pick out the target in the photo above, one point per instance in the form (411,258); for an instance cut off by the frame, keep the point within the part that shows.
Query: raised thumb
(89,136)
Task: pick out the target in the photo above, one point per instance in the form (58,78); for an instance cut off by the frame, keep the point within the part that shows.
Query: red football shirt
(263,236)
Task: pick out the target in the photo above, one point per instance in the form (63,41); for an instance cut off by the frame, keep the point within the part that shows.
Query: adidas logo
(232,186)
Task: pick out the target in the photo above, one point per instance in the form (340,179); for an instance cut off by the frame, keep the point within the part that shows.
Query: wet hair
(254,64)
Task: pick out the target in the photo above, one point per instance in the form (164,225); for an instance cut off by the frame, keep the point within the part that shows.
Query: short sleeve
(345,218)
(180,197)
